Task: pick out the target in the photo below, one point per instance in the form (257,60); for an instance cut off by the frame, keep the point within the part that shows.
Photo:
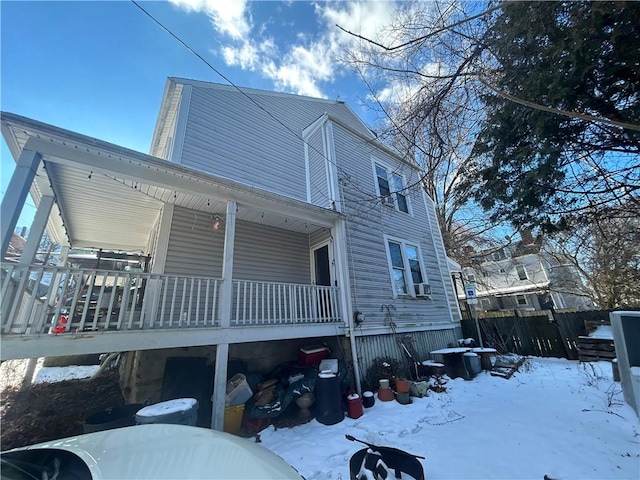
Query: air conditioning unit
(422,289)
(388,201)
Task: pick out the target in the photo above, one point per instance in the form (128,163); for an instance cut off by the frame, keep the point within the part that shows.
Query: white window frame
(408,278)
(524,270)
(524,297)
(393,195)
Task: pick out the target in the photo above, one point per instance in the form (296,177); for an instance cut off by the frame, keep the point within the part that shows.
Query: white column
(37,230)
(154,287)
(16,194)
(27,257)
(342,271)
(226,296)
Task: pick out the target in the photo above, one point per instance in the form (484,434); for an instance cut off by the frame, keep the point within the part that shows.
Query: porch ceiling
(110,197)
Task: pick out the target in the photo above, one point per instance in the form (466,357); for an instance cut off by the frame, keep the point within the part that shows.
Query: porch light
(217,221)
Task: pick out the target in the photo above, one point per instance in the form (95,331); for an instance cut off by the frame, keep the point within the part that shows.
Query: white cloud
(303,66)
(229,17)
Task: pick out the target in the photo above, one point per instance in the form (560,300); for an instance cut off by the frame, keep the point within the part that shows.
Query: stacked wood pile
(594,349)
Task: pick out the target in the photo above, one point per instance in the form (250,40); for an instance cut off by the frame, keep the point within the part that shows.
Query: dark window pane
(416,273)
(383,186)
(396,255)
(402,203)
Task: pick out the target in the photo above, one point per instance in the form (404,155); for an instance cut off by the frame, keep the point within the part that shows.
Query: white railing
(39,299)
(265,303)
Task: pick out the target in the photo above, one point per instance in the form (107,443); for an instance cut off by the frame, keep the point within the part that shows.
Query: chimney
(23,232)
(526,236)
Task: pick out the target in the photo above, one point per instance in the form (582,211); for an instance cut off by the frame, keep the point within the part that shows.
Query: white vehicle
(154,451)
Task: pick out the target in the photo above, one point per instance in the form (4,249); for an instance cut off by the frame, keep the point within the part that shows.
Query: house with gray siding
(523,275)
(269,221)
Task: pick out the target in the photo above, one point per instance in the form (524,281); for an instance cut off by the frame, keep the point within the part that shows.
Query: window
(521,300)
(471,278)
(522,272)
(405,267)
(498,255)
(391,189)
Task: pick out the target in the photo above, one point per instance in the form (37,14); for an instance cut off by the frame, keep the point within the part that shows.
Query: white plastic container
(329,365)
(238,390)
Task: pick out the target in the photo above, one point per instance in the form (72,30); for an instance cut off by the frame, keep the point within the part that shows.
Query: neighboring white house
(523,276)
(268,220)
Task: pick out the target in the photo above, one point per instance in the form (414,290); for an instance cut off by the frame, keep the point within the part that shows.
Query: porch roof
(108,196)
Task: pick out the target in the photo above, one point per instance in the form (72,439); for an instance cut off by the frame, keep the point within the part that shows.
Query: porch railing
(42,299)
(263,303)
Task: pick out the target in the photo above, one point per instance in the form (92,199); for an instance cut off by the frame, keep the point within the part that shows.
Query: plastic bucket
(368,400)
(116,417)
(181,411)
(233,419)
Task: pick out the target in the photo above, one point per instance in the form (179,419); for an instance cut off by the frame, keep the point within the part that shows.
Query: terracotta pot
(403,386)
(386,395)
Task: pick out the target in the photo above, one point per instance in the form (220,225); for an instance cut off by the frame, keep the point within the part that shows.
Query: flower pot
(403,386)
(386,394)
(384,383)
(403,398)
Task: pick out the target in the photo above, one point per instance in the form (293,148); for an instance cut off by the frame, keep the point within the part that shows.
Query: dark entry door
(323,277)
(323,270)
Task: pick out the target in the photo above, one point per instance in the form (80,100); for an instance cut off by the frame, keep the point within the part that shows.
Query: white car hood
(160,451)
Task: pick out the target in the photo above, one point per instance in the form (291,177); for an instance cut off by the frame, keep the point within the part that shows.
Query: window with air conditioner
(391,188)
(406,269)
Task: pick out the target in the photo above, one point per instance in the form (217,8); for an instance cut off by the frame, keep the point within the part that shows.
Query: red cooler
(313,355)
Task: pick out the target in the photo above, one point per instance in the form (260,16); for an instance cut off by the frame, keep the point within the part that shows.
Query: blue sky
(99,68)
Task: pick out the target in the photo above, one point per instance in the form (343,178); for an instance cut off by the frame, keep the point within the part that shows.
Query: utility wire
(257,104)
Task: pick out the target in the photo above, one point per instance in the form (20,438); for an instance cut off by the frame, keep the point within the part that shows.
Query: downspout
(345,293)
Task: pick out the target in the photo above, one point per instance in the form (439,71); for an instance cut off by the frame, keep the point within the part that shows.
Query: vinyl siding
(317,180)
(195,249)
(367,224)
(230,136)
(261,252)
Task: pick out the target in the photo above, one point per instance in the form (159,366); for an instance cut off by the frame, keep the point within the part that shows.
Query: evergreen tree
(548,167)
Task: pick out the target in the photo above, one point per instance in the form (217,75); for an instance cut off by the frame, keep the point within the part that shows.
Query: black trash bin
(116,417)
(328,399)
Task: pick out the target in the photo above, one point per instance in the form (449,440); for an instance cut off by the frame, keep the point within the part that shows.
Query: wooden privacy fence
(543,333)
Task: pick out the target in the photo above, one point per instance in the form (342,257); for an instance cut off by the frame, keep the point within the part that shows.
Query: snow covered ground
(57,374)
(557,418)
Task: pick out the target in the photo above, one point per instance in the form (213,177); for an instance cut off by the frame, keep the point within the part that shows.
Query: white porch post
(27,257)
(226,295)
(154,287)
(16,195)
(37,230)
(342,271)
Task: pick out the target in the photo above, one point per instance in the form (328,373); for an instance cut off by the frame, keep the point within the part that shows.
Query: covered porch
(91,194)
